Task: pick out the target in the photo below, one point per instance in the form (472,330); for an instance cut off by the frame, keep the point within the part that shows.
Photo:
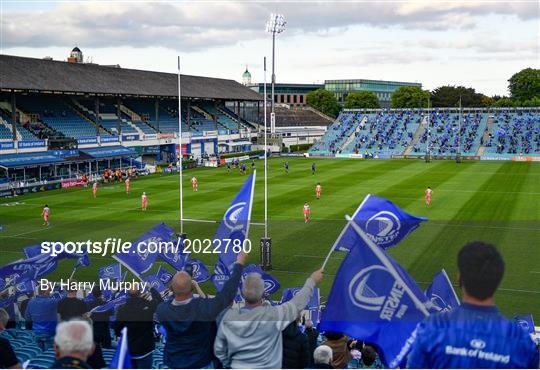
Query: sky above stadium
(477,44)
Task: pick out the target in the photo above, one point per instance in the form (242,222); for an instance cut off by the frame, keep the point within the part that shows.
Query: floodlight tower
(275,25)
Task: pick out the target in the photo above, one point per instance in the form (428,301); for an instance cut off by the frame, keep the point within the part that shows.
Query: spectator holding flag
(41,311)
(73,344)
(474,334)
(251,336)
(100,320)
(137,314)
(190,322)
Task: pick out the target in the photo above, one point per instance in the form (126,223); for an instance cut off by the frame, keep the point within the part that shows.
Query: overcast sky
(472,43)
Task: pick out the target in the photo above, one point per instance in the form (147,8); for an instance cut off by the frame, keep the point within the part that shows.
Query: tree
(361,99)
(505,102)
(525,84)
(409,97)
(448,96)
(533,102)
(323,100)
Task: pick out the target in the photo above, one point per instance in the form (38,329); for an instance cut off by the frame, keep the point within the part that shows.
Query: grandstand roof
(30,74)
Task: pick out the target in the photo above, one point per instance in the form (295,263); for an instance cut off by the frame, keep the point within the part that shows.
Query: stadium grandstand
(498,133)
(58,119)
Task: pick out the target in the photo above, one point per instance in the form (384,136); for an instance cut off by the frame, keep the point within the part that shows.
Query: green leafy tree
(525,84)
(505,102)
(325,101)
(533,102)
(409,97)
(448,96)
(361,99)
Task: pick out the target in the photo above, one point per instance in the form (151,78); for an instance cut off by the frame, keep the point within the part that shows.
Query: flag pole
(266,242)
(180,170)
(265,162)
(390,268)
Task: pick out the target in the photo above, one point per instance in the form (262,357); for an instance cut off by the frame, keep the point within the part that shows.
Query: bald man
(190,321)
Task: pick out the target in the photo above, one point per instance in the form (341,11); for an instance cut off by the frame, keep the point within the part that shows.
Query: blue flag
(199,272)
(234,227)
(314,301)
(219,281)
(122,358)
(159,280)
(140,260)
(25,287)
(28,269)
(174,256)
(382,221)
(373,299)
(441,293)
(526,323)
(111,272)
(32,251)
(111,305)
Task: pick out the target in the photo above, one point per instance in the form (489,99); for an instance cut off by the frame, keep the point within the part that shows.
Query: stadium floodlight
(275,25)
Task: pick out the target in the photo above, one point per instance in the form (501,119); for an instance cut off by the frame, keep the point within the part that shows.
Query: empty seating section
(55,113)
(298,116)
(224,120)
(147,110)
(514,133)
(5,130)
(395,132)
(23,133)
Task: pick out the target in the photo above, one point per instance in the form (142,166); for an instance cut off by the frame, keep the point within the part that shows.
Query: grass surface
(494,201)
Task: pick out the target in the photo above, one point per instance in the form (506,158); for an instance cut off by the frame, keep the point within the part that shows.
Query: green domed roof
(246,74)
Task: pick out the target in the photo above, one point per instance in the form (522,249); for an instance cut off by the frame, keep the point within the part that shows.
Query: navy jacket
(191,327)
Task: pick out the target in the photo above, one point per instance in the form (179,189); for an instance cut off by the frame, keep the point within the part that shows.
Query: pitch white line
(26,233)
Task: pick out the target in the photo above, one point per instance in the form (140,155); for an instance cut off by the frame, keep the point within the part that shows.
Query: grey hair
(74,336)
(4,317)
(309,323)
(253,288)
(322,355)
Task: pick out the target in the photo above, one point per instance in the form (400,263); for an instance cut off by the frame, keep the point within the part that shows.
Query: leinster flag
(139,260)
(199,272)
(110,272)
(313,303)
(526,323)
(374,300)
(174,255)
(382,221)
(235,226)
(122,358)
(441,293)
(159,280)
(28,269)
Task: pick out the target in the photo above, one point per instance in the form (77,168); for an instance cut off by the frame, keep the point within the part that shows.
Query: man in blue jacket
(475,334)
(41,311)
(190,322)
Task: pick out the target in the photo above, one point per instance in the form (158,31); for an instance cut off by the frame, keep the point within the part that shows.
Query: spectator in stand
(100,320)
(41,311)
(341,353)
(71,307)
(8,359)
(475,334)
(73,344)
(250,336)
(137,314)
(322,357)
(312,334)
(190,323)
(296,354)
